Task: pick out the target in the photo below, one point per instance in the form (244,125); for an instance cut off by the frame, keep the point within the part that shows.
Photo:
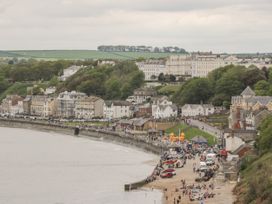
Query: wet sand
(222,190)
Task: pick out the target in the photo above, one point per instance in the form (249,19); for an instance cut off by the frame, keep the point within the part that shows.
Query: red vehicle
(168,170)
(167,175)
(170,161)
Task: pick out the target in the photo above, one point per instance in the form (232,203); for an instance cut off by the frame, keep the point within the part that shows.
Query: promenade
(205,127)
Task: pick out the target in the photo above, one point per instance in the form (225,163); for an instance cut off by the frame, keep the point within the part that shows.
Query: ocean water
(50,168)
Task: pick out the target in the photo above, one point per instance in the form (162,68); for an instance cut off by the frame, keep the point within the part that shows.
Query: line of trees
(108,82)
(223,83)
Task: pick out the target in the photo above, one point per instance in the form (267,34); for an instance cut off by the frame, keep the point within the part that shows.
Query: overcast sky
(196,25)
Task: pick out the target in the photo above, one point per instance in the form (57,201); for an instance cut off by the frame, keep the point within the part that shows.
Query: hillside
(108,82)
(79,54)
(256,172)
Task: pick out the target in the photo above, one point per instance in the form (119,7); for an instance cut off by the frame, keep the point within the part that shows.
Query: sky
(231,26)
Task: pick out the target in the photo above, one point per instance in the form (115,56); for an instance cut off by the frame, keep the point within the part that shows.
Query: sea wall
(104,135)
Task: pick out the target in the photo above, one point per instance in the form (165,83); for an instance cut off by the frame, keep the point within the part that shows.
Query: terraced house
(246,107)
(66,103)
(89,107)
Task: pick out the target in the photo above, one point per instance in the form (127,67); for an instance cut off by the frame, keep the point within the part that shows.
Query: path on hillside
(206,128)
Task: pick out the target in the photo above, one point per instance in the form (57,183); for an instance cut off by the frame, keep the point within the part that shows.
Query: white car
(210,162)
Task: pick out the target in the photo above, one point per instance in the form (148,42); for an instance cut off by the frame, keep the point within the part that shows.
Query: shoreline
(117,138)
(96,134)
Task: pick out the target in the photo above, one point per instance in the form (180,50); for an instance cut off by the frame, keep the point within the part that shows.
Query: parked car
(210,162)
(173,171)
(167,175)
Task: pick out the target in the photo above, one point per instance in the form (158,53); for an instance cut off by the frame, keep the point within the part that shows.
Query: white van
(203,166)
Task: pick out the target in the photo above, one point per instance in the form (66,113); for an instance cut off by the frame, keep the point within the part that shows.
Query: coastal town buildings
(27,104)
(163,108)
(117,109)
(40,105)
(50,107)
(141,95)
(246,107)
(12,104)
(179,65)
(203,64)
(89,107)
(37,105)
(152,68)
(192,110)
(66,103)
(143,110)
(198,64)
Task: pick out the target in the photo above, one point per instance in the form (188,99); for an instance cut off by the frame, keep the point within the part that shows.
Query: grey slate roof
(118,103)
(248,92)
(263,100)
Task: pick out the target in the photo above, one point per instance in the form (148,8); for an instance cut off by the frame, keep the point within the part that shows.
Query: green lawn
(19,88)
(79,54)
(190,132)
(169,89)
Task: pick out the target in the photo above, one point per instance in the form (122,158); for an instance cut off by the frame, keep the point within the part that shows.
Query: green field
(79,54)
(190,132)
(169,90)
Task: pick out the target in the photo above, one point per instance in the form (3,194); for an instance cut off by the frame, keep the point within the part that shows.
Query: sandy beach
(222,190)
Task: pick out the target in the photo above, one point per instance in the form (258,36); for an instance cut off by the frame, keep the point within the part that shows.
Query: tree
(113,89)
(229,86)
(262,88)
(37,90)
(264,141)
(270,75)
(252,76)
(153,77)
(54,81)
(161,77)
(172,78)
(195,91)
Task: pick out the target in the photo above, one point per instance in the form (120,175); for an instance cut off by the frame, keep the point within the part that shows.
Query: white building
(50,90)
(117,109)
(12,105)
(163,108)
(192,110)
(202,65)
(232,142)
(152,68)
(66,103)
(196,64)
(179,65)
(69,72)
(141,95)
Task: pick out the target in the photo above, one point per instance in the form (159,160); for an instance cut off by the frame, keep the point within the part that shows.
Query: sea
(50,168)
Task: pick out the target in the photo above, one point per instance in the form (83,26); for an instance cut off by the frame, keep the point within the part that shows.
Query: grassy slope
(256,182)
(17,88)
(169,89)
(190,132)
(80,54)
